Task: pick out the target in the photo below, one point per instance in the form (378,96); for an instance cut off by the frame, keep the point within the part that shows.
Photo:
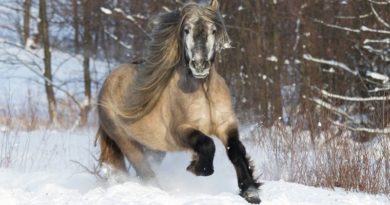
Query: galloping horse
(175,100)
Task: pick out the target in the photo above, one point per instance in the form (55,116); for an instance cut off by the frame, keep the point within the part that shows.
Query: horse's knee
(201,144)
(204,147)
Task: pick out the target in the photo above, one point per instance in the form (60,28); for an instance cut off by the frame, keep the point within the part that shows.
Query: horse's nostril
(207,64)
(200,65)
(197,64)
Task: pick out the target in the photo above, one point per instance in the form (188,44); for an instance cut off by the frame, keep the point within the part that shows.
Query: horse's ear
(214,4)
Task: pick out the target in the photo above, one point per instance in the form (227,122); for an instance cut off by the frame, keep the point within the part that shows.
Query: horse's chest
(198,113)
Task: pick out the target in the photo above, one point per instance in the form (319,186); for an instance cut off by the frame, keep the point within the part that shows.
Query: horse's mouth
(200,76)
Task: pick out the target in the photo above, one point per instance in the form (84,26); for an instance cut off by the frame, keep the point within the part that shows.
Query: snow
(106,11)
(378,76)
(296,61)
(41,171)
(385,41)
(272,58)
(330,70)
(330,62)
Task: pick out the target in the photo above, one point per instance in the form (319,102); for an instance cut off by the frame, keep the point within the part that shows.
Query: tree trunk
(76,25)
(26,20)
(276,98)
(87,41)
(44,33)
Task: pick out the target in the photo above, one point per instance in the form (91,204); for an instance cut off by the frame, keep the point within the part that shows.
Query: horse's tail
(110,153)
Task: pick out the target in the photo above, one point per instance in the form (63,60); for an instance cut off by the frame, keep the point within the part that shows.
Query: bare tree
(87,41)
(76,39)
(26,19)
(44,31)
(360,106)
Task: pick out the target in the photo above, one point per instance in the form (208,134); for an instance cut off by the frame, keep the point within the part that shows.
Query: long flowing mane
(165,53)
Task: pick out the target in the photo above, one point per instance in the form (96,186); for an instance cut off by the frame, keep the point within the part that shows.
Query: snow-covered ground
(38,168)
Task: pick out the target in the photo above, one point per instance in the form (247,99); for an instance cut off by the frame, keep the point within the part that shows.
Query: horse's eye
(186,31)
(214,31)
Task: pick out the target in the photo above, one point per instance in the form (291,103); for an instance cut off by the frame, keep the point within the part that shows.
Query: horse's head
(203,34)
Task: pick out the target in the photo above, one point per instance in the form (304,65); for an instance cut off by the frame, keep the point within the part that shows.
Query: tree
(26,20)
(357,90)
(76,25)
(87,41)
(44,33)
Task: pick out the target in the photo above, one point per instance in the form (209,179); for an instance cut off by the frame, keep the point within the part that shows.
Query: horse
(174,100)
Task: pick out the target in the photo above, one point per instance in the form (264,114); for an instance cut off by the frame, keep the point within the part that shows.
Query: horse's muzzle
(200,69)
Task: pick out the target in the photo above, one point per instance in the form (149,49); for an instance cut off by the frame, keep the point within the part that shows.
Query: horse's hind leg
(153,156)
(137,158)
(110,152)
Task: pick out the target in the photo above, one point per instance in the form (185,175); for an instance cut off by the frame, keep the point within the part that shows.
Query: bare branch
(298,24)
(330,62)
(115,38)
(337,27)
(331,108)
(379,89)
(94,171)
(242,28)
(380,19)
(385,130)
(385,41)
(355,17)
(366,29)
(363,28)
(384,2)
(354,99)
(341,112)
(126,17)
(39,73)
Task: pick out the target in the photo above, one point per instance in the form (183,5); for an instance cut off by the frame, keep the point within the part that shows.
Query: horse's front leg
(203,149)
(237,154)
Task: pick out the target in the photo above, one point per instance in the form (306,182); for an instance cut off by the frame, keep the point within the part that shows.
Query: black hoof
(251,195)
(200,169)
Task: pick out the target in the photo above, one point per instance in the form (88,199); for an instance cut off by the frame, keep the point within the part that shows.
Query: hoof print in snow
(199,169)
(251,195)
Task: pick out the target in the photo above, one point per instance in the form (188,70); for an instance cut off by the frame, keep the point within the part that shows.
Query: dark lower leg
(237,154)
(204,148)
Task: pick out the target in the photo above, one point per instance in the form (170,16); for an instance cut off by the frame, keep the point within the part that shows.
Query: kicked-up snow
(43,167)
